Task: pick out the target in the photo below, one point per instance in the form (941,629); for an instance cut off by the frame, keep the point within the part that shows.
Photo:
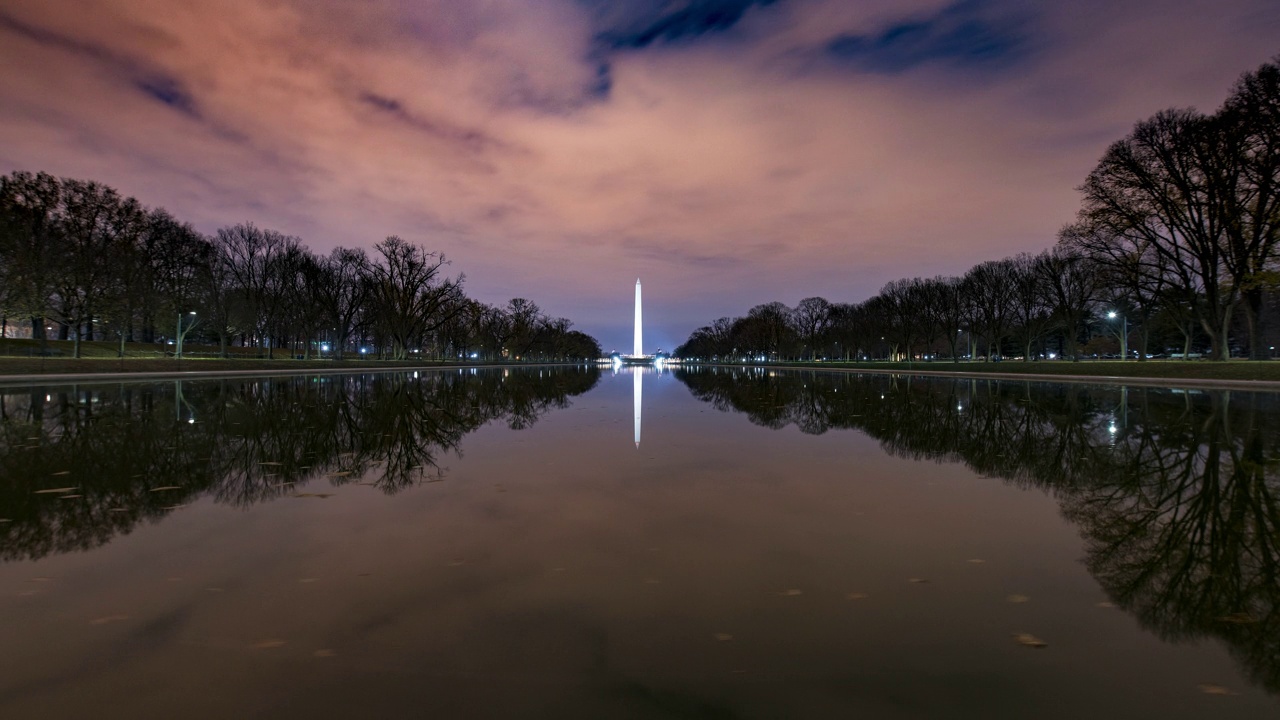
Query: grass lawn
(22,357)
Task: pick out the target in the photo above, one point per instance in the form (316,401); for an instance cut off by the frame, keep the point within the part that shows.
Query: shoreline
(1260,385)
(321,367)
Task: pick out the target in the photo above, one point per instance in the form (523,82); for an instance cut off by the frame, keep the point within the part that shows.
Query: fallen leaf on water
(344,473)
(1018,599)
(1106,605)
(322,496)
(917,580)
(108,619)
(723,637)
(283,484)
(166,487)
(270,463)
(791,593)
(173,507)
(1211,689)
(267,644)
(62,472)
(54,490)
(1029,640)
(324,653)
(5,520)
(69,497)
(856,596)
(1240,618)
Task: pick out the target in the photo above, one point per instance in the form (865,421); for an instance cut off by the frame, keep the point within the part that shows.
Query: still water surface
(751,544)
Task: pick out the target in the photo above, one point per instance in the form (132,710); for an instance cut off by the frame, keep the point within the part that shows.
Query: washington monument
(637,349)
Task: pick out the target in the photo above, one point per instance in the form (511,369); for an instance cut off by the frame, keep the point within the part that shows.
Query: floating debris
(268,644)
(1211,689)
(1029,640)
(270,463)
(343,473)
(162,488)
(856,596)
(1239,618)
(1018,599)
(62,472)
(308,580)
(324,653)
(174,507)
(108,619)
(5,520)
(917,581)
(791,593)
(1105,604)
(322,496)
(976,561)
(117,510)
(50,491)
(70,497)
(723,637)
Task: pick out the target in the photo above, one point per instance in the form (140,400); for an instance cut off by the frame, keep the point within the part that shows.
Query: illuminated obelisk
(637,350)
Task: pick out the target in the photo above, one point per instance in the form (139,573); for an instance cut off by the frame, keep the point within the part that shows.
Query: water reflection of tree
(1175,492)
(136,452)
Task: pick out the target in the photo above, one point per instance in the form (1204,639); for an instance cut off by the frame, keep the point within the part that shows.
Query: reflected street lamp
(1124,333)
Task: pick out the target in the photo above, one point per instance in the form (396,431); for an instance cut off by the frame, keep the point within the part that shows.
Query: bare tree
(811,319)
(410,293)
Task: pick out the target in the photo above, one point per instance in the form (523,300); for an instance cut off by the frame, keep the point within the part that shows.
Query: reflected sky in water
(501,544)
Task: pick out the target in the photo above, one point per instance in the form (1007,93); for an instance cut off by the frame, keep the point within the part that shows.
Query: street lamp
(180,335)
(1124,333)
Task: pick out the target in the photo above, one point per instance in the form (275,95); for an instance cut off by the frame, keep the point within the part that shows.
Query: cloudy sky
(728,152)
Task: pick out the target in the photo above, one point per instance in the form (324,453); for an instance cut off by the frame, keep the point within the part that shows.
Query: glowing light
(324,347)
(1112,315)
(191,421)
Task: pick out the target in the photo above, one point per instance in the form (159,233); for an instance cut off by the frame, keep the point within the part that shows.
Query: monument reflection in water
(828,545)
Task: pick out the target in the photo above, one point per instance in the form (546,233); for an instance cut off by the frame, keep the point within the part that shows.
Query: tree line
(80,260)
(1176,237)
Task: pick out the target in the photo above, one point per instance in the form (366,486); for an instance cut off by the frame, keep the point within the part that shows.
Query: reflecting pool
(706,542)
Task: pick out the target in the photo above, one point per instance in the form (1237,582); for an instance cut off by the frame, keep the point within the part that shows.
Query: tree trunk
(1252,301)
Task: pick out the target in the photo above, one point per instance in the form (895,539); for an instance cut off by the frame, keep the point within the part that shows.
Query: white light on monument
(638,349)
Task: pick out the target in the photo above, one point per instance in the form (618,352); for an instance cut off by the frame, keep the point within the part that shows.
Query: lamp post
(179,341)
(1124,333)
